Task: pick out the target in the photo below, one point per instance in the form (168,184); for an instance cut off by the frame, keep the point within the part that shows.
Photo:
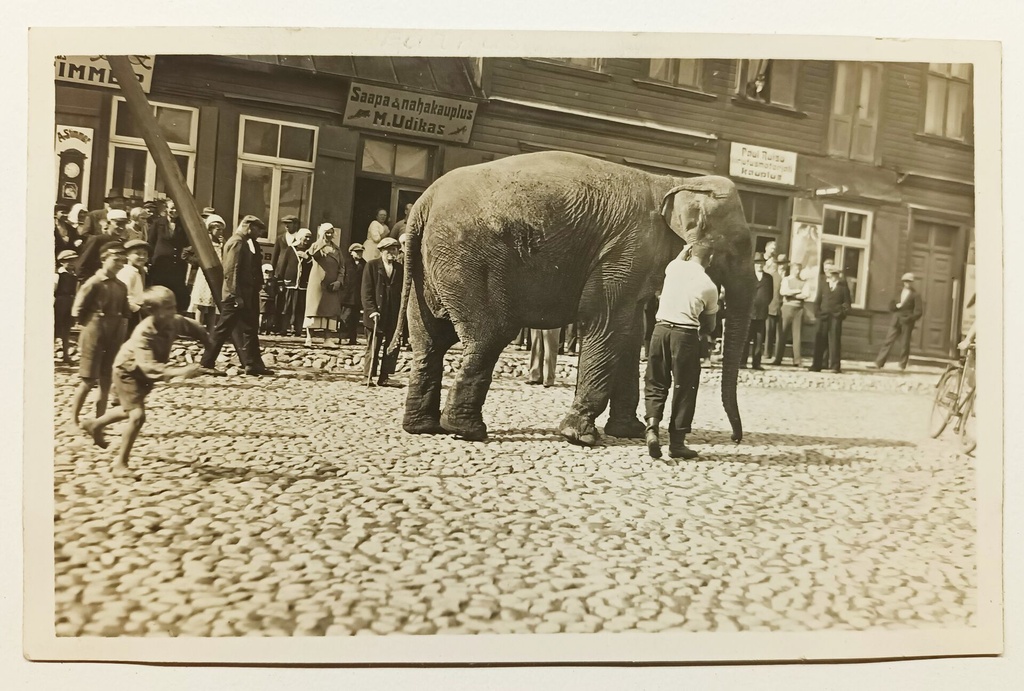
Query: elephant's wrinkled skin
(540,240)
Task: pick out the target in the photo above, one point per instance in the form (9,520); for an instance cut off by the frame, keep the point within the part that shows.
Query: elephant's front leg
(625,391)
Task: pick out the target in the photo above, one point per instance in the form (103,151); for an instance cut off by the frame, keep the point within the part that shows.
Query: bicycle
(954,398)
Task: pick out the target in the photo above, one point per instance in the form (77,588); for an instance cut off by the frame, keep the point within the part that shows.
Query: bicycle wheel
(968,438)
(945,401)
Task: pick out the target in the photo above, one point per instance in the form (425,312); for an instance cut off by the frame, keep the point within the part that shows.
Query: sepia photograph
(438,355)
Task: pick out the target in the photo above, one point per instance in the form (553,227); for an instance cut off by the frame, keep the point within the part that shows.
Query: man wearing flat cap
(240,299)
(114,233)
(382,297)
(906,311)
(831,305)
(93,222)
(351,277)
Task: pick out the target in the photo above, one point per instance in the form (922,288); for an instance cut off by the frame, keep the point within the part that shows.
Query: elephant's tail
(414,229)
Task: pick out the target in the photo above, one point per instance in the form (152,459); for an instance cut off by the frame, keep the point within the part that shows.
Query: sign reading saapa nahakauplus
(405,112)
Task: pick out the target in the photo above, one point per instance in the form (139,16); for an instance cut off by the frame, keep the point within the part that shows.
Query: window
(397,160)
(769,81)
(275,170)
(676,72)
(586,63)
(853,128)
(845,239)
(132,168)
(763,210)
(948,100)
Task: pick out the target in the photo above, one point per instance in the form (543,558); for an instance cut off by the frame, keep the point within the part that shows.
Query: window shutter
(865,125)
(783,81)
(840,129)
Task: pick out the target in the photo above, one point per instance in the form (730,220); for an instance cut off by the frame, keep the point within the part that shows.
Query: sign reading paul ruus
(761,163)
(95,70)
(405,112)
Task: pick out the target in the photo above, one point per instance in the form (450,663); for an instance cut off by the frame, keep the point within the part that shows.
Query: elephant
(543,239)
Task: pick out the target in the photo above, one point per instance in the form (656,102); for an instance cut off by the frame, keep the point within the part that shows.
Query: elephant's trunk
(739,294)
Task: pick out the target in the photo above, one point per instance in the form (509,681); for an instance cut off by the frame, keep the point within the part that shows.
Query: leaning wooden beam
(188,210)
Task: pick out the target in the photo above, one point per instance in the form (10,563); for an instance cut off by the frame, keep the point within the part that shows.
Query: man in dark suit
(282,248)
(831,307)
(906,311)
(240,299)
(382,298)
(764,292)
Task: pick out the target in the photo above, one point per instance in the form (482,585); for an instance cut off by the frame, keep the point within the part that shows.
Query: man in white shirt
(689,304)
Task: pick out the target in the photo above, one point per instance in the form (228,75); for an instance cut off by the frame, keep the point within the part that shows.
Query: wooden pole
(167,167)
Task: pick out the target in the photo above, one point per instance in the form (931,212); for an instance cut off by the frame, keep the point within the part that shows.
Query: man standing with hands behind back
(689,305)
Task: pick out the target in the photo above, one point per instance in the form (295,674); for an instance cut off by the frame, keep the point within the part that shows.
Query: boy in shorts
(101,307)
(140,363)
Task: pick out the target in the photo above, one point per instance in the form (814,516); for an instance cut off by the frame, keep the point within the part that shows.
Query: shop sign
(73,149)
(95,70)
(405,112)
(763,164)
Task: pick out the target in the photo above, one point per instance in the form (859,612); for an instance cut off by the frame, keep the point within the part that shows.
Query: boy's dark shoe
(212,372)
(677,448)
(391,383)
(259,372)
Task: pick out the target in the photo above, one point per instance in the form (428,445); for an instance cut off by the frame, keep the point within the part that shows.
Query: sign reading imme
(95,70)
(405,112)
(760,163)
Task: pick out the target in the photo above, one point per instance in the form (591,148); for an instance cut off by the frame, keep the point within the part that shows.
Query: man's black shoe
(259,372)
(212,372)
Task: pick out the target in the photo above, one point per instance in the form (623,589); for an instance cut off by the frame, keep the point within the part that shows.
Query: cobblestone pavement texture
(295,505)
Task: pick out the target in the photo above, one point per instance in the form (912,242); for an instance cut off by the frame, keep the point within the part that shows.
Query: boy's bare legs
(95,427)
(136,416)
(101,402)
(79,401)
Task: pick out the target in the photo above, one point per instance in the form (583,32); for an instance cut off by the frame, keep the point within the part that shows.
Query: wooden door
(932,260)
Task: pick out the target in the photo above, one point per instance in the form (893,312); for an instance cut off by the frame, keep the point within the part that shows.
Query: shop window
(763,210)
(948,100)
(853,128)
(846,239)
(676,72)
(275,170)
(586,63)
(131,167)
(407,161)
(769,81)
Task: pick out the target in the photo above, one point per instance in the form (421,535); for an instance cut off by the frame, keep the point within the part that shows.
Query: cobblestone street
(295,505)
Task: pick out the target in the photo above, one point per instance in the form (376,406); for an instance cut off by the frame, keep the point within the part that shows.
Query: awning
(438,75)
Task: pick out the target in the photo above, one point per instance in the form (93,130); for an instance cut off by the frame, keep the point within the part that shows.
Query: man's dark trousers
(246,321)
(901,331)
(673,361)
(756,336)
(828,337)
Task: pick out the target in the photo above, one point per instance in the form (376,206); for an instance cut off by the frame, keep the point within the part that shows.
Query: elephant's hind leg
(462,414)
(430,338)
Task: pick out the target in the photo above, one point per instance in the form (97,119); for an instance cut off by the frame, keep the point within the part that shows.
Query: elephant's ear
(683,211)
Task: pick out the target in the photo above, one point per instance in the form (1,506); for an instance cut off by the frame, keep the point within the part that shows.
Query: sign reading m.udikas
(406,112)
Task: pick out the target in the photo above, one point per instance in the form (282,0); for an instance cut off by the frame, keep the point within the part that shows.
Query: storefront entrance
(372,194)
(391,175)
(932,260)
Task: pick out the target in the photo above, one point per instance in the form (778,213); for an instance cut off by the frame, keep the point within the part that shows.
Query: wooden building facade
(867,163)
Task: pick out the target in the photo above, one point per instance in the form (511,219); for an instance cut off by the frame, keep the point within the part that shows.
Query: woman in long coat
(323,296)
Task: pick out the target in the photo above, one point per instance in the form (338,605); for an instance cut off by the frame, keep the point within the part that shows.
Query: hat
(75,215)
(833,270)
(153,204)
(324,227)
(208,210)
(908,277)
(758,258)
(67,255)
(111,248)
(214,218)
(117,215)
(251,220)
(289,218)
(386,243)
(268,267)
(134,244)
(115,193)
(355,246)
(782,259)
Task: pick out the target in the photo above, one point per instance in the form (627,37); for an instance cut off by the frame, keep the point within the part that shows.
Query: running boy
(140,363)
(101,307)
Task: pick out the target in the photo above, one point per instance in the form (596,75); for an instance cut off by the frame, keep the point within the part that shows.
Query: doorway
(402,195)
(370,195)
(932,261)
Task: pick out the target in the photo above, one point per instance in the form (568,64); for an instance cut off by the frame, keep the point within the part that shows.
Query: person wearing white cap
(202,304)
(906,311)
